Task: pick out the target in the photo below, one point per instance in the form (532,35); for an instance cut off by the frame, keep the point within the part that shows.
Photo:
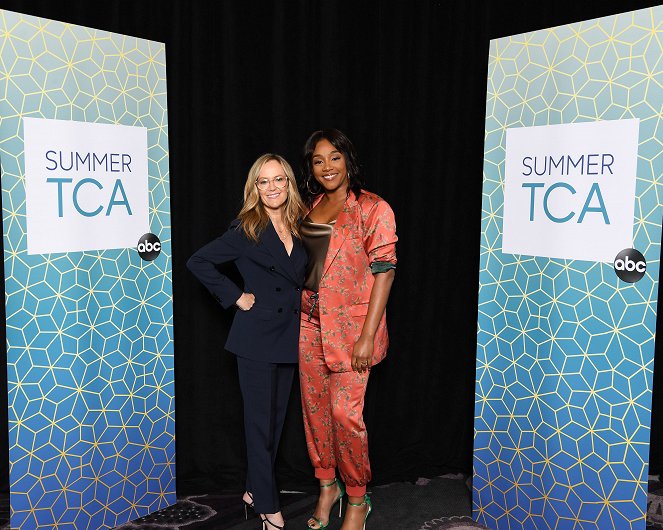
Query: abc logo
(149,246)
(630,265)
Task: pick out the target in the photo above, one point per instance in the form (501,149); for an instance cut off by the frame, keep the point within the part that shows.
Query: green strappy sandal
(367,500)
(321,525)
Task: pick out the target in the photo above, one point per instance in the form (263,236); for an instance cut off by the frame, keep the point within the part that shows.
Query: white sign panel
(86,185)
(570,189)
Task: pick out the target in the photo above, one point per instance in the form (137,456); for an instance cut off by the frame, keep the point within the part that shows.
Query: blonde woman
(264,243)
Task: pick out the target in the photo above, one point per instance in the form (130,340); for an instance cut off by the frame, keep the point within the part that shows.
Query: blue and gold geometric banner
(570,247)
(87,260)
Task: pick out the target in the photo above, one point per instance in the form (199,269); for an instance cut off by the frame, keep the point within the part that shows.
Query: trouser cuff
(356,491)
(325,474)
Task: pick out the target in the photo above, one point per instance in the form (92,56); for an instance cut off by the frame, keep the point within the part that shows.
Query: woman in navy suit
(264,243)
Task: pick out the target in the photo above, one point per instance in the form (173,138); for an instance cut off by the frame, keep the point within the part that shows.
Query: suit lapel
(342,229)
(276,248)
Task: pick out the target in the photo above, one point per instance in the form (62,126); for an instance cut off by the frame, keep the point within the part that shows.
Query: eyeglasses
(279,182)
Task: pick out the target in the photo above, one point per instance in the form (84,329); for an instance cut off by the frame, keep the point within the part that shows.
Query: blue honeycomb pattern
(565,349)
(89,334)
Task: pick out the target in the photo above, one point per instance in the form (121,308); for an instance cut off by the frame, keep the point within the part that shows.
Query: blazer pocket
(261,313)
(358,310)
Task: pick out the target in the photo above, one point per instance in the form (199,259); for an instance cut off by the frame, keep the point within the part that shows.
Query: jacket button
(297,289)
(278,289)
(295,311)
(272,268)
(280,310)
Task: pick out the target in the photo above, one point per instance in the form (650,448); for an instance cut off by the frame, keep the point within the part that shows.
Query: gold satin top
(316,238)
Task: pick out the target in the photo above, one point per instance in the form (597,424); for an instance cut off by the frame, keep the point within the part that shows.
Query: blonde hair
(253,216)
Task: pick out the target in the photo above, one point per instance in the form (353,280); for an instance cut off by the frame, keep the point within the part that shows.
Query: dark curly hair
(311,188)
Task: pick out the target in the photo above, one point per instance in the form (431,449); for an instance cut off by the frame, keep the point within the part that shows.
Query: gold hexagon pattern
(89,334)
(565,350)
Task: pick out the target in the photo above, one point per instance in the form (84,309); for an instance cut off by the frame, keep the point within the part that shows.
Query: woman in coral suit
(350,236)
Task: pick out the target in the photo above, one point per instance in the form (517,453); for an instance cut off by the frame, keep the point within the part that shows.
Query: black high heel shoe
(248,505)
(266,521)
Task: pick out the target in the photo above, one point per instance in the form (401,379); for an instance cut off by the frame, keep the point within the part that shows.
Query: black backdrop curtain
(406,81)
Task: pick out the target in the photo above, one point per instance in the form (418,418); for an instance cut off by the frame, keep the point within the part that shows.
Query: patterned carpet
(442,503)
(655,503)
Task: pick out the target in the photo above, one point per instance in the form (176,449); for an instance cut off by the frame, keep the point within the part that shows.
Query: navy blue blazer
(269,331)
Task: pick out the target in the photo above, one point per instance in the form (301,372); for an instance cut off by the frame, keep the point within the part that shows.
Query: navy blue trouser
(265,391)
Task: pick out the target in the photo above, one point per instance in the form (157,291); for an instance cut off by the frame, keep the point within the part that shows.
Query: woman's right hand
(246,301)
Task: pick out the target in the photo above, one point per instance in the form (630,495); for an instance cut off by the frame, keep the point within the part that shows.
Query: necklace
(282,232)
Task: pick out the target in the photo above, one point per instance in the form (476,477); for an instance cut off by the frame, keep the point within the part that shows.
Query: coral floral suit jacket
(363,241)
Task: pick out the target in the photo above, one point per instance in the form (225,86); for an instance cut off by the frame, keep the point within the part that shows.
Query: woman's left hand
(362,354)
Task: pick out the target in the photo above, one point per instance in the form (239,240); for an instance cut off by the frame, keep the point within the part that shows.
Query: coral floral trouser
(333,404)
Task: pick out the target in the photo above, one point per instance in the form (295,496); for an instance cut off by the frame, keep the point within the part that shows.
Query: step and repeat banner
(87,261)
(570,247)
